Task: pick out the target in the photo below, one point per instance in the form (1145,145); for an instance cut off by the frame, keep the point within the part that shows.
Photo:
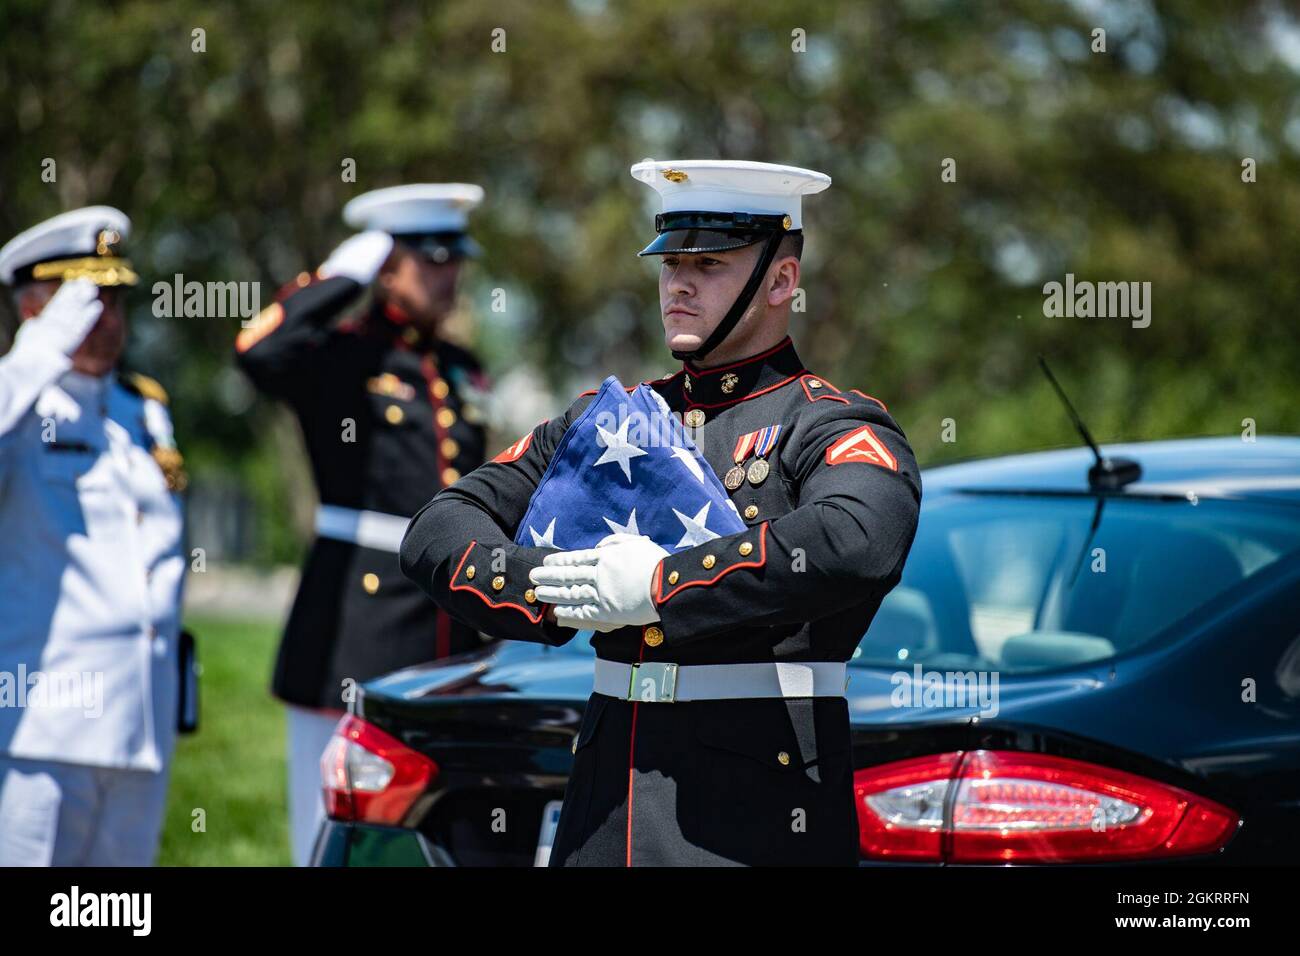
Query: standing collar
(736,381)
(396,326)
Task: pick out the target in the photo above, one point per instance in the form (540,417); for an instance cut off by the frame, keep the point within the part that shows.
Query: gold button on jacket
(707,781)
(385,426)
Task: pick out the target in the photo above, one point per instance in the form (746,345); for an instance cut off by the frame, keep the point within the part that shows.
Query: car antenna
(1106,474)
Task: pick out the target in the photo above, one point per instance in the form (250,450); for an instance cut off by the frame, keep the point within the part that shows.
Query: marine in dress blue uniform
(91,569)
(718,729)
(391,411)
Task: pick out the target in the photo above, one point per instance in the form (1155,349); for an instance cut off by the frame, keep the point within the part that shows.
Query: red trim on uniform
(762,559)
(512,452)
(744,398)
(262,325)
(395,314)
(837,452)
(871,397)
(296,284)
(461,564)
(483,597)
(627,388)
(430,371)
(821,395)
(701,372)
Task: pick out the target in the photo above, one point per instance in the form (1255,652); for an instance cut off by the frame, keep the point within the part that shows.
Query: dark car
(1065,674)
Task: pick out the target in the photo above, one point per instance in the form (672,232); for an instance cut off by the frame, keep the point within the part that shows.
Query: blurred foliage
(1116,166)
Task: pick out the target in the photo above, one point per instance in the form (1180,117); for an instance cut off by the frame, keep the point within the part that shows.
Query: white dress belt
(659,682)
(370,529)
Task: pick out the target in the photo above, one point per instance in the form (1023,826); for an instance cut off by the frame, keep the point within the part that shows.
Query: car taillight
(370,777)
(995,806)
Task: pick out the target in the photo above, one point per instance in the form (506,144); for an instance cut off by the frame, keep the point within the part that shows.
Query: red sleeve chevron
(861,444)
(511,452)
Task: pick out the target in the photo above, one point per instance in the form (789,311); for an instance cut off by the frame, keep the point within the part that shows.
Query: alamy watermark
(937,689)
(55,690)
(206,300)
(1101,300)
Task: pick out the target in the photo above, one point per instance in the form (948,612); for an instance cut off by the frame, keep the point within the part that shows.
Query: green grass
(234,767)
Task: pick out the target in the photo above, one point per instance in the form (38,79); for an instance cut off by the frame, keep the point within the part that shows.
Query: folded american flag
(627,465)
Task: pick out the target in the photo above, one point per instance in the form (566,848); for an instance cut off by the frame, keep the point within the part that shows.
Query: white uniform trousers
(309,732)
(63,814)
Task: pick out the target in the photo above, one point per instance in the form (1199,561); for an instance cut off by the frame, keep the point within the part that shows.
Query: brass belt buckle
(653,682)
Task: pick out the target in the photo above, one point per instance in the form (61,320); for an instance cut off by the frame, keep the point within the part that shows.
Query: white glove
(359,258)
(605,587)
(65,321)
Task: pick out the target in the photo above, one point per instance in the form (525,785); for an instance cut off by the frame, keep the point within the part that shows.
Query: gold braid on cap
(101,270)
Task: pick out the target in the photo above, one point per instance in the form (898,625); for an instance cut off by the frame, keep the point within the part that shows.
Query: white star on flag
(544,540)
(696,532)
(629,528)
(618,448)
(689,461)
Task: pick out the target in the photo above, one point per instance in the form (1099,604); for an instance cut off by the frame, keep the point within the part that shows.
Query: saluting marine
(391,411)
(737,645)
(91,567)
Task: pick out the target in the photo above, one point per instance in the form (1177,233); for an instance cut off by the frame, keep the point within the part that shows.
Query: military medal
(764,442)
(391,386)
(735,476)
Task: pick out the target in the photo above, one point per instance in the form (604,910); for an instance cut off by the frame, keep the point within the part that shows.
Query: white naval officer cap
(81,243)
(713,204)
(431,217)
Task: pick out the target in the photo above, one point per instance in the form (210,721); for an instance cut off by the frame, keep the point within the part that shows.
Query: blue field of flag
(626,465)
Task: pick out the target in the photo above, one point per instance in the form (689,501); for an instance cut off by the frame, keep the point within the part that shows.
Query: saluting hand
(66,319)
(605,587)
(359,258)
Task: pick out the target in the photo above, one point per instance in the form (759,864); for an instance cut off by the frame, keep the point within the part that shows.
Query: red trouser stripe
(630,772)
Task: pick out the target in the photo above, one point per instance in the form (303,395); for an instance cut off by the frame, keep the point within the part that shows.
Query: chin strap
(738,307)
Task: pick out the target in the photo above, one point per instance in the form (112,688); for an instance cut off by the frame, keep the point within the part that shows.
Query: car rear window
(1029,583)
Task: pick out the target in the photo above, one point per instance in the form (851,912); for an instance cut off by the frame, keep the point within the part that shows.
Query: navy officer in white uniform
(91,562)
